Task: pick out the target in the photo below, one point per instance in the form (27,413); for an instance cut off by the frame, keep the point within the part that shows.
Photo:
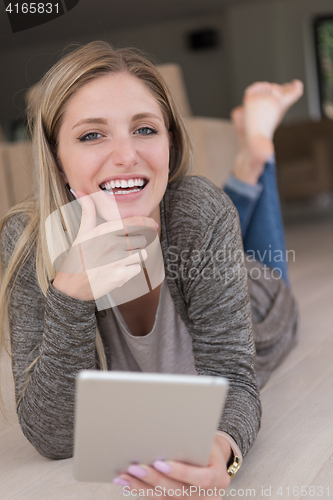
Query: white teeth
(122,192)
(123,183)
(127,192)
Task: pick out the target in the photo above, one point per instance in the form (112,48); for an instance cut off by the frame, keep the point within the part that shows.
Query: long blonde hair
(45,112)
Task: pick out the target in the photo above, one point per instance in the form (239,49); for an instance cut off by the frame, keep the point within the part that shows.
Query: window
(323,28)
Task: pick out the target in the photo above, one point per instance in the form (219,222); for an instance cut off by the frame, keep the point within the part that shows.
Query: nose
(124,153)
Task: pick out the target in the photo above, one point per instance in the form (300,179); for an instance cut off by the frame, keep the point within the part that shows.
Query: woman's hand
(179,480)
(102,257)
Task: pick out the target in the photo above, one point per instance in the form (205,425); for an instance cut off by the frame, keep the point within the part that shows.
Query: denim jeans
(260,218)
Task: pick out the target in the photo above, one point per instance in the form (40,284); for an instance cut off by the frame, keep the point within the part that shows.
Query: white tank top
(166,349)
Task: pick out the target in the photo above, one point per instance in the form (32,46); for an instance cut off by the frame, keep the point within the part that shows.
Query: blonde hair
(45,111)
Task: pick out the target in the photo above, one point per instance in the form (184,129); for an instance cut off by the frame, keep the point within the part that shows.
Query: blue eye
(146,131)
(92,136)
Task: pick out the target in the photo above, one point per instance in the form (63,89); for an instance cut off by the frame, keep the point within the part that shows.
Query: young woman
(105,127)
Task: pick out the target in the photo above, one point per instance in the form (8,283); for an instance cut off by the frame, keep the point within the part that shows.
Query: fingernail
(156,225)
(74,193)
(137,471)
(162,466)
(121,482)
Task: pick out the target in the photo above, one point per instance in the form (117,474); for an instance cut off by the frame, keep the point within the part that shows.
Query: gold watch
(233,466)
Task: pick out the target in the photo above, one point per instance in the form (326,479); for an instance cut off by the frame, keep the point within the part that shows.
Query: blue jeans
(260,218)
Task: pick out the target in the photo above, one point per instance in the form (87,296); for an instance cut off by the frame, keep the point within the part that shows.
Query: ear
(170,139)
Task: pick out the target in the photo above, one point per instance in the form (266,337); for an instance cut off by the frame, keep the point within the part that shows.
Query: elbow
(54,452)
(55,444)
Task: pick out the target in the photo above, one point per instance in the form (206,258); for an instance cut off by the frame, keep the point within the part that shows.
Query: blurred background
(219,47)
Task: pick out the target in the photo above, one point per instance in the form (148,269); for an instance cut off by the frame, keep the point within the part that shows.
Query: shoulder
(11,230)
(194,200)
(198,192)
(12,227)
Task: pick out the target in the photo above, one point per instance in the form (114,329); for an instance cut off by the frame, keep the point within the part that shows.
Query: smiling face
(113,138)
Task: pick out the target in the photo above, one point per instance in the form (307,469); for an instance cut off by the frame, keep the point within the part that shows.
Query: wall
(205,73)
(273,41)
(261,40)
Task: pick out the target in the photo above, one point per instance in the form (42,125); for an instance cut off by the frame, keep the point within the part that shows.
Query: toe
(258,88)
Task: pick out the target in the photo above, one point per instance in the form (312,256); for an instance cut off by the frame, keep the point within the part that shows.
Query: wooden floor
(295,445)
(294,448)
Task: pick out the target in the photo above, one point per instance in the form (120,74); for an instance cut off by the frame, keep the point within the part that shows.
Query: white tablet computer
(127,417)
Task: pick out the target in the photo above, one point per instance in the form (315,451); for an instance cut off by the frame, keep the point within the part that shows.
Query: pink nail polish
(137,471)
(121,482)
(157,225)
(74,193)
(162,466)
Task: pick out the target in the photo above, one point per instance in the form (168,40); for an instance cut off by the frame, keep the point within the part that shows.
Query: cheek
(159,159)
(78,165)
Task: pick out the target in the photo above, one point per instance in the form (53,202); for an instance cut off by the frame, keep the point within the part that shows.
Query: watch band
(236,459)
(234,467)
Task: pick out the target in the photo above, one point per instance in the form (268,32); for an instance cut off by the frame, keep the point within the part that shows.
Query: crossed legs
(252,186)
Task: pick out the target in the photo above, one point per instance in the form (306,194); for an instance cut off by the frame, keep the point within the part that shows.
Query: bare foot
(264,107)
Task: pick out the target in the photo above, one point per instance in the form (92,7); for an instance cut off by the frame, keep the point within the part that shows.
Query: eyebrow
(138,116)
(90,120)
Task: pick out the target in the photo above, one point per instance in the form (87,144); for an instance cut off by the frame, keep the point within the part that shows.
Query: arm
(222,327)
(58,333)
(209,287)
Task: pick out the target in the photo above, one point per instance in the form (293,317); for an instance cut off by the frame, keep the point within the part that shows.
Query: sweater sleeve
(55,332)
(207,278)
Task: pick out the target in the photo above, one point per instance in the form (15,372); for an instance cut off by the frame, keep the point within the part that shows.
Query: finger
(205,477)
(133,259)
(152,477)
(129,273)
(102,250)
(127,228)
(135,242)
(88,218)
(167,489)
(107,252)
(108,227)
(104,279)
(139,220)
(164,489)
(137,486)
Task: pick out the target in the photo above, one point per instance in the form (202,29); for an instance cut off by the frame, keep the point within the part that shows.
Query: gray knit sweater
(205,273)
